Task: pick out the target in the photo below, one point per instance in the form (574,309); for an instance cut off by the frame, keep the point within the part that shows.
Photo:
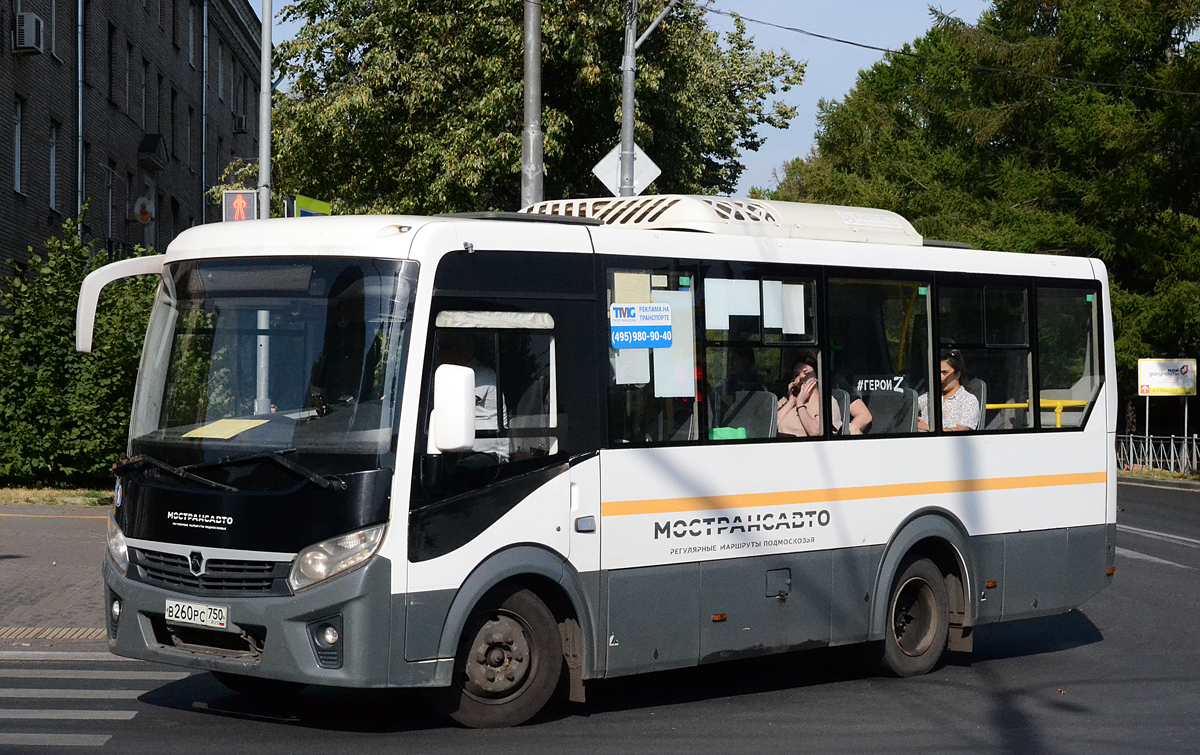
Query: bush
(64,416)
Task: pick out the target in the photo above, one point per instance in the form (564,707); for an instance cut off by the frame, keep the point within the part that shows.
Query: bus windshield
(253,359)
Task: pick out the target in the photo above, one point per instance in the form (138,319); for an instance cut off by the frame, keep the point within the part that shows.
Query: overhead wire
(960,64)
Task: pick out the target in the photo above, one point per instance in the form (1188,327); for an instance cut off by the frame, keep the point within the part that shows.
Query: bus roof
(743,217)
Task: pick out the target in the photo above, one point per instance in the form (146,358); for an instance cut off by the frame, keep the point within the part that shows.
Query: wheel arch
(940,536)
(545,572)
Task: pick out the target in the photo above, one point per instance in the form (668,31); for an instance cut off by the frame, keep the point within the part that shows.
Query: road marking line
(73,694)
(55,740)
(62,714)
(61,655)
(1177,539)
(1143,557)
(54,673)
(56,516)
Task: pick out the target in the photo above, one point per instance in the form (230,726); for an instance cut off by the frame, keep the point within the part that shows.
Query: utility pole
(264,115)
(531,136)
(628,78)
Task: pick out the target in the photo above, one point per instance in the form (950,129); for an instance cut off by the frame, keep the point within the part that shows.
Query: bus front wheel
(508,663)
(918,620)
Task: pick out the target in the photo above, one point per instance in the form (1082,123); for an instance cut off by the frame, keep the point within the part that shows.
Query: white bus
(497,456)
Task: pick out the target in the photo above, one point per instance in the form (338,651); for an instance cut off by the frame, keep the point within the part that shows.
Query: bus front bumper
(273,637)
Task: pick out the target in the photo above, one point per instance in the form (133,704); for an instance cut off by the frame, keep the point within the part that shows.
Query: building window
(53,166)
(54,27)
(220,70)
(191,116)
(129,79)
(192,34)
(18,106)
(110,176)
(112,53)
(145,91)
(174,142)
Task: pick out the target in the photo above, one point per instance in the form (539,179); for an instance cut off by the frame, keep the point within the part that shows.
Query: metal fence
(1163,453)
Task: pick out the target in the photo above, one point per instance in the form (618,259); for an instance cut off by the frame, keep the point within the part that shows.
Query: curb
(1150,482)
(52,633)
(94,656)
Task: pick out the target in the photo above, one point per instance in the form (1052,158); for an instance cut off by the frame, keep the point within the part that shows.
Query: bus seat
(755,411)
(892,411)
(978,388)
(842,398)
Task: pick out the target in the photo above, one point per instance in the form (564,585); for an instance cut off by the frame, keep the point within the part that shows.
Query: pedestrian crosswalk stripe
(55,740)
(58,673)
(61,714)
(73,694)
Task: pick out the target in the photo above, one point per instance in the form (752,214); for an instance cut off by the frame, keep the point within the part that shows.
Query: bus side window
(762,369)
(651,389)
(879,344)
(516,404)
(1069,366)
(989,326)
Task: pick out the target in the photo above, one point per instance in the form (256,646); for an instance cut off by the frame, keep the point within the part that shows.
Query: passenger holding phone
(799,410)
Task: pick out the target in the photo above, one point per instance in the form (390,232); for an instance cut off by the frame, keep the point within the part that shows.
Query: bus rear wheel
(918,620)
(508,663)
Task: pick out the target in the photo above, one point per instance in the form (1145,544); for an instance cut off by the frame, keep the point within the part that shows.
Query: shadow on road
(1050,634)
(388,711)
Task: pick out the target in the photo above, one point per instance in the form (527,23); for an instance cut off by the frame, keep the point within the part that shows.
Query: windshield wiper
(328,483)
(142,460)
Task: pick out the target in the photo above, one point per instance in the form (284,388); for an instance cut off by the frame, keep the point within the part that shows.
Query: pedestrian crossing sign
(239,205)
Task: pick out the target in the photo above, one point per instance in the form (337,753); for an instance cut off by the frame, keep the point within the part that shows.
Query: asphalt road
(1119,675)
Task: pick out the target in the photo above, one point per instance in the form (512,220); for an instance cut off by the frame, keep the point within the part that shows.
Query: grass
(53,497)
(1157,474)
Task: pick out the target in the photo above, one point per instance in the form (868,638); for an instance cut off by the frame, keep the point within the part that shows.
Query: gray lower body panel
(362,599)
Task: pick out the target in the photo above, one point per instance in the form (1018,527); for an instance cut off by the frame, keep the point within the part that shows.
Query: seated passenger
(799,410)
(960,409)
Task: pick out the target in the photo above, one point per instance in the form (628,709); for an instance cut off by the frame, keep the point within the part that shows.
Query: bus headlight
(117,549)
(334,556)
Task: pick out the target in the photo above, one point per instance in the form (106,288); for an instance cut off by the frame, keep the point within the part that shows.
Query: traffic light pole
(628,79)
(264,115)
(531,137)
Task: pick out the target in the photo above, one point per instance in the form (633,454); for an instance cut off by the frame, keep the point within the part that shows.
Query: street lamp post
(264,115)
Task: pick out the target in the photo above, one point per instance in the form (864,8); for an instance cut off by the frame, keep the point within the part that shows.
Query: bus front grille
(221,576)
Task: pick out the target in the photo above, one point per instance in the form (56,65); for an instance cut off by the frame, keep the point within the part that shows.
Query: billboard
(1166,377)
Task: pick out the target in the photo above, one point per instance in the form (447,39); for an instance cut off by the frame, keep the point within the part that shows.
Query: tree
(1021,163)
(416,105)
(64,416)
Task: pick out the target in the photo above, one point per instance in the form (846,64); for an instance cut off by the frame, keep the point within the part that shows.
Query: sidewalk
(51,591)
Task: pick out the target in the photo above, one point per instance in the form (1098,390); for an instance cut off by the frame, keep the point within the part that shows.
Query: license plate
(197,614)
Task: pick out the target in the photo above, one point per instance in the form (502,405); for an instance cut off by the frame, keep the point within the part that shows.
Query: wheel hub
(913,617)
(500,661)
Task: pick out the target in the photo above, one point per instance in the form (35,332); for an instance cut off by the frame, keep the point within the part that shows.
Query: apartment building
(132,106)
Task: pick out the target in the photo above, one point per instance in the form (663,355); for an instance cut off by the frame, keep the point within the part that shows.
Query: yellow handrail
(1057,403)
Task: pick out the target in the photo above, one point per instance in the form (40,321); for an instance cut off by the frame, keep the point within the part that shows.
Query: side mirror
(94,283)
(453,422)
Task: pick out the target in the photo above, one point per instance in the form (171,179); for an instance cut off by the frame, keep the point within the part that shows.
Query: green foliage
(416,105)
(1030,165)
(64,416)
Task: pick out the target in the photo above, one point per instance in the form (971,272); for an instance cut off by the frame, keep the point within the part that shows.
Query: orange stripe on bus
(791,497)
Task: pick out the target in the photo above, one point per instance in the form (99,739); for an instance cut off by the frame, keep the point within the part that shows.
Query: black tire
(918,620)
(257,686)
(508,663)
